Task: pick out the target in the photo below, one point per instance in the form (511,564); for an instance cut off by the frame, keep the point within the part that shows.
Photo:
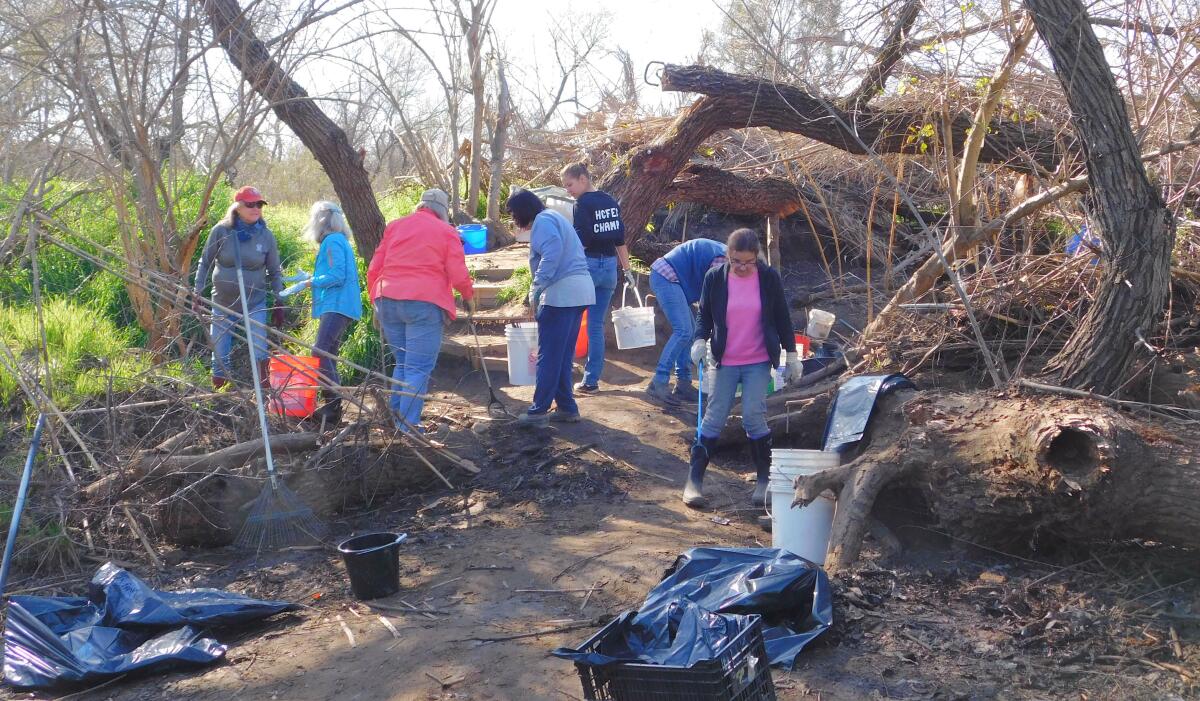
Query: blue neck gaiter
(245,231)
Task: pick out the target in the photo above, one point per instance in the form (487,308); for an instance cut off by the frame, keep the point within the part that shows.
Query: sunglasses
(253,205)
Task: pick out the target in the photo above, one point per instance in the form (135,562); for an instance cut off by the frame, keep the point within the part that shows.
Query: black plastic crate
(741,672)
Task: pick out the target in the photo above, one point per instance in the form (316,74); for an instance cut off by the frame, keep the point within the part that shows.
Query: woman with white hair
(336,297)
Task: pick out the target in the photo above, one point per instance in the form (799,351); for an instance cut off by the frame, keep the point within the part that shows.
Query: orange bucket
(581,347)
(293,381)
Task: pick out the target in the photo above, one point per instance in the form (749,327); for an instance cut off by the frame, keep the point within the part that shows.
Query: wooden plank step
(462,345)
(498,265)
(494,365)
(486,294)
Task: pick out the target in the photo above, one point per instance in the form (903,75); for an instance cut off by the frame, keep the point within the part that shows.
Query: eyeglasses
(253,205)
(742,263)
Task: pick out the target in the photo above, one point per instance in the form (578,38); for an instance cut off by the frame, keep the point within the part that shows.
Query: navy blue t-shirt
(598,223)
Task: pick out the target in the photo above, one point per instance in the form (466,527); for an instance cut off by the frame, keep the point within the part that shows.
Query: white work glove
(630,278)
(699,350)
(793,368)
(535,298)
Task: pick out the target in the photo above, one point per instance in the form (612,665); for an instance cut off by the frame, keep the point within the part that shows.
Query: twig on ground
(584,561)
(563,456)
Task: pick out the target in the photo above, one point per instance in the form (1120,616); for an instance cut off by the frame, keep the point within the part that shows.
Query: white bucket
(802,530)
(522,353)
(820,323)
(634,325)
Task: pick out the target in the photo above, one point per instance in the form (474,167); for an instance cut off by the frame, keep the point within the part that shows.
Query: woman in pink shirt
(411,280)
(745,314)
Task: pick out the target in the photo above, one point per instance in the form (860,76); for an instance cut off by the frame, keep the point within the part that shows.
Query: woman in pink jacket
(410,281)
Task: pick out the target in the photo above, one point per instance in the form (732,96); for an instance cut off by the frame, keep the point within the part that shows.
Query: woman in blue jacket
(336,298)
(676,279)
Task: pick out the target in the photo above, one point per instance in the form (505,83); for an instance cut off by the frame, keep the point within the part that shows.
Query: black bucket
(373,563)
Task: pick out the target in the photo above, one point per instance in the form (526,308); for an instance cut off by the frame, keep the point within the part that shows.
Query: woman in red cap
(241,237)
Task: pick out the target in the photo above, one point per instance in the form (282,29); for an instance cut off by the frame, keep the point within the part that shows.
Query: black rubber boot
(693,491)
(760,455)
(331,410)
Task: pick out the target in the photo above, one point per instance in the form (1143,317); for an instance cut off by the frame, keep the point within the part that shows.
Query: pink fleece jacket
(420,258)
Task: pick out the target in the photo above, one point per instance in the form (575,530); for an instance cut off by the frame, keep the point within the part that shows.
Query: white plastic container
(802,530)
(820,323)
(634,325)
(522,353)
(555,198)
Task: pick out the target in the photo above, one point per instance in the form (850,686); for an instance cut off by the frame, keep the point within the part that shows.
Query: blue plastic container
(474,238)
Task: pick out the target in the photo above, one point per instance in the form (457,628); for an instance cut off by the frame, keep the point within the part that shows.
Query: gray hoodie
(260,260)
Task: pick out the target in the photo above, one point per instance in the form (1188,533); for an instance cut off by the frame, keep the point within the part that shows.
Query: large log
(1019,471)
(731,101)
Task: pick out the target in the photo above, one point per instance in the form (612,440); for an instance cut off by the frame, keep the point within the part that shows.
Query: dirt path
(592,535)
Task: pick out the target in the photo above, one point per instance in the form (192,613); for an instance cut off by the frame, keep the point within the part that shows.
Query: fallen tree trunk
(1018,471)
(731,101)
(152,463)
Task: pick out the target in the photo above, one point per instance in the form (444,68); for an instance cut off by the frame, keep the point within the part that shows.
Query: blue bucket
(474,238)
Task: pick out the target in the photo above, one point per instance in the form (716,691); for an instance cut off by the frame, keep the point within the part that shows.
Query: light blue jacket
(335,279)
(557,262)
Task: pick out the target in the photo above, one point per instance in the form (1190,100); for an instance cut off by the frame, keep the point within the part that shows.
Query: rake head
(278,519)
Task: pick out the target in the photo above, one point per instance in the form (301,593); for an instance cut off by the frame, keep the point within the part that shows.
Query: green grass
(518,286)
(87,352)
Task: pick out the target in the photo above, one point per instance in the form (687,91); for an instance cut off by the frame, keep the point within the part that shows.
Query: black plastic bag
(679,636)
(790,593)
(122,626)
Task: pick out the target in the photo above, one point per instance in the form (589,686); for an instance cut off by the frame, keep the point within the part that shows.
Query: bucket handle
(636,294)
(400,538)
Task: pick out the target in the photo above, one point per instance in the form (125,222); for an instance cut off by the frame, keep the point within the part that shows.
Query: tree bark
(1016,472)
(473,28)
(291,103)
(1137,229)
(736,101)
(498,234)
(735,194)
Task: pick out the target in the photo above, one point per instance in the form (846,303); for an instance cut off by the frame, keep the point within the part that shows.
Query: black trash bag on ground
(120,627)
(790,593)
(680,635)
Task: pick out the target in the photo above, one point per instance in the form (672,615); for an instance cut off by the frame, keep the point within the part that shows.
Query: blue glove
(631,279)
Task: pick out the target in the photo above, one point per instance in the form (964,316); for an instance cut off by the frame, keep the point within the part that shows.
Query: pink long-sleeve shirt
(420,258)
(743,317)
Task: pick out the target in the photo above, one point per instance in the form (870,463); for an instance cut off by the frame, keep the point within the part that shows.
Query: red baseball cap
(248,193)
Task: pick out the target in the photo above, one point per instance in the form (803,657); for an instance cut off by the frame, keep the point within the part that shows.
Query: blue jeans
(754,380)
(413,331)
(223,329)
(330,330)
(675,354)
(604,277)
(558,328)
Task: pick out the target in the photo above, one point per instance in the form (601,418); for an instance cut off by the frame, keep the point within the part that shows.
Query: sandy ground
(589,516)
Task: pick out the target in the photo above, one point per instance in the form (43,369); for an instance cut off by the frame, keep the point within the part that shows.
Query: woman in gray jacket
(562,288)
(242,235)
